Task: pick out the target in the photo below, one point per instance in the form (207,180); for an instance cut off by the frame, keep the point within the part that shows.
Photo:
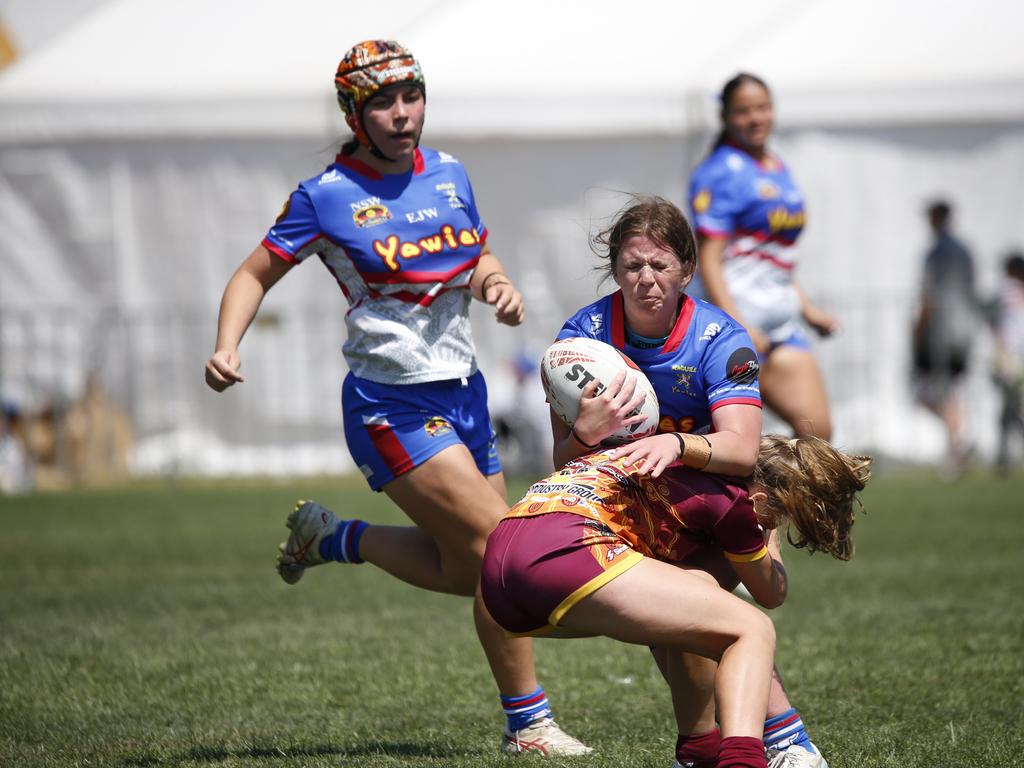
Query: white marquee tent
(145,148)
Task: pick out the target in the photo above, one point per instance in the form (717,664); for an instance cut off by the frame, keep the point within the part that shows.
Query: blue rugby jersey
(758,208)
(707,361)
(402,248)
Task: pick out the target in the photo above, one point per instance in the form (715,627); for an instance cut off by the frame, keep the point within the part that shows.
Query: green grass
(146,627)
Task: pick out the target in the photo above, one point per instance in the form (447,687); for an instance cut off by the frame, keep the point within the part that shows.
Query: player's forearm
(731,454)
(242,298)
(778,582)
(777,587)
(766,578)
(710,259)
(489,271)
(807,307)
(565,445)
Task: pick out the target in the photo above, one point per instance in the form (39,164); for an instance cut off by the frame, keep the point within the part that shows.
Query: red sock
(698,751)
(742,752)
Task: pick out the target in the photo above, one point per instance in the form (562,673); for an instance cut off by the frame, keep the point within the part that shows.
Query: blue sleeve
(729,368)
(579,325)
(715,199)
(296,233)
(570,330)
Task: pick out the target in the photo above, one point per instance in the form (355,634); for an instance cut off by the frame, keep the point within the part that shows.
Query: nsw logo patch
(371,215)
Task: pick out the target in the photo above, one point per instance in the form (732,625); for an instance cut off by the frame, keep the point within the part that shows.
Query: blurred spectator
(85,442)
(1008,367)
(523,425)
(100,437)
(944,328)
(15,468)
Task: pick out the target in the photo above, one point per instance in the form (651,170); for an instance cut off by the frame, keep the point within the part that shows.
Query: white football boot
(542,737)
(795,757)
(309,524)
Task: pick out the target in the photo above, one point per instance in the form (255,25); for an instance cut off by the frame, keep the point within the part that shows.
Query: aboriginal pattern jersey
(666,517)
(403,248)
(756,206)
(707,361)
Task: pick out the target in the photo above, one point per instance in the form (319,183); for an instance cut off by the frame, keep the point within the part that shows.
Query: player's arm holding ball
(725,451)
(242,297)
(600,415)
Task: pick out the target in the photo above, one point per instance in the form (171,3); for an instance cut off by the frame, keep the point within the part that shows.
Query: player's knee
(761,630)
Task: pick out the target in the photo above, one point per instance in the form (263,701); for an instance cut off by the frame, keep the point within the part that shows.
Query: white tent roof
(572,68)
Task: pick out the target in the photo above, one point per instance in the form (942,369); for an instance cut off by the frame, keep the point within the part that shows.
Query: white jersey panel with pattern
(402,248)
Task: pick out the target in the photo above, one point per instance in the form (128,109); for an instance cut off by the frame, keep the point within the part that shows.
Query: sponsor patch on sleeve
(742,367)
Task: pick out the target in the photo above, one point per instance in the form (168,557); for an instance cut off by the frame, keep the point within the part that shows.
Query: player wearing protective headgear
(398,229)
(367,69)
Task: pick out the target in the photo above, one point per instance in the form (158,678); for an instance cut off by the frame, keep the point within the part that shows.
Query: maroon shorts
(537,568)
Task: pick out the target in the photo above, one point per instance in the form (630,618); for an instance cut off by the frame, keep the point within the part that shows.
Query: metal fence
(147,365)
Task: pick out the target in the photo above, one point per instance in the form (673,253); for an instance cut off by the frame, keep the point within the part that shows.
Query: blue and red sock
(785,730)
(342,546)
(523,710)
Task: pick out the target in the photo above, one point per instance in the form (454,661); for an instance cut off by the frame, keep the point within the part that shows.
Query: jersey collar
(675,338)
(767,163)
(347,161)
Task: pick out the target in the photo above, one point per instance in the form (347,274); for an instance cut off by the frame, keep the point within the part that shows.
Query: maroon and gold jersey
(666,518)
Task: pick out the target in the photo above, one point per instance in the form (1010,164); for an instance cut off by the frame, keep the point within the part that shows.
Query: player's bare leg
(459,507)
(691,681)
(792,386)
(654,603)
(455,508)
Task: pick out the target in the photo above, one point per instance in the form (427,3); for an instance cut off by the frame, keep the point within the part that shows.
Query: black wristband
(578,439)
(484,286)
(682,444)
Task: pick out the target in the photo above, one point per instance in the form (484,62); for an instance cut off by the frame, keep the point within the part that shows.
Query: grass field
(146,627)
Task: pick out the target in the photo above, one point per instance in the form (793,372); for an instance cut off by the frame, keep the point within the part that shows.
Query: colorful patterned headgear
(367,68)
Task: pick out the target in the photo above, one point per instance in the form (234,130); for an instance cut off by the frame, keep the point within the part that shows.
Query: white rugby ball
(569,365)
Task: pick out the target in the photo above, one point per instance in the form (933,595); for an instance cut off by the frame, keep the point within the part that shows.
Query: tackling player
(588,551)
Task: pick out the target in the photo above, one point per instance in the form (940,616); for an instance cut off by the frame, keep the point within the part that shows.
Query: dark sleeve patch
(742,367)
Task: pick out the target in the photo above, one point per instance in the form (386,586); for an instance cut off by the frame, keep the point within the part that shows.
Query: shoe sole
(291,572)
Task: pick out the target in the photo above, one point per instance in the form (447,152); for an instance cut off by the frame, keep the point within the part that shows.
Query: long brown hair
(814,487)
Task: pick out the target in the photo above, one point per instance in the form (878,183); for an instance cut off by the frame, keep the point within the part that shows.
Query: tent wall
(116,254)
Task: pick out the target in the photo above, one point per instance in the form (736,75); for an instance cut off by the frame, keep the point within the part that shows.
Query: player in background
(1008,366)
(589,550)
(704,370)
(944,329)
(398,229)
(748,213)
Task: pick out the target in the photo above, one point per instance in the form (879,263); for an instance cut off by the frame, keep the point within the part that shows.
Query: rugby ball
(569,365)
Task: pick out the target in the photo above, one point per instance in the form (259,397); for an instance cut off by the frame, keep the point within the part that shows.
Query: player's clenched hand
(650,454)
(222,369)
(824,323)
(507,301)
(602,414)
